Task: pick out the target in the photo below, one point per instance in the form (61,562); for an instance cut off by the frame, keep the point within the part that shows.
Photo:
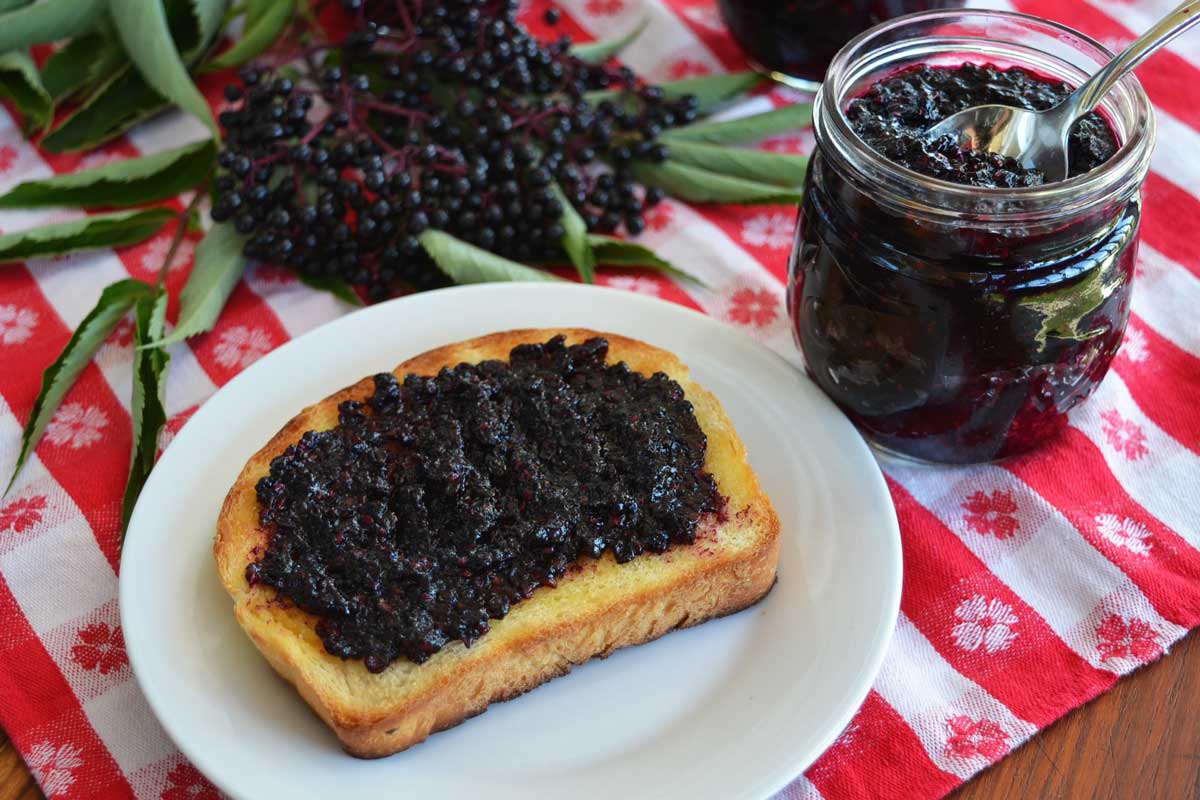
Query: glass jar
(798,38)
(953,323)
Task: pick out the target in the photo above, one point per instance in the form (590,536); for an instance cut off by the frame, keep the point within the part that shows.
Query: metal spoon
(1038,139)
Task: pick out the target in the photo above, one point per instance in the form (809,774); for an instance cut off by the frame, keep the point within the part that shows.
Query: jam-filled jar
(955,322)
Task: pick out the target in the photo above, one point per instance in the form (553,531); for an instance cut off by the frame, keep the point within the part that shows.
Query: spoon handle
(1089,95)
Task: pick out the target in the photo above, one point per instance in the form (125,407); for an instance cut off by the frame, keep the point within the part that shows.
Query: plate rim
(874,484)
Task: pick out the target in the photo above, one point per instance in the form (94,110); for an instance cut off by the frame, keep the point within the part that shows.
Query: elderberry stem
(181,227)
(470,126)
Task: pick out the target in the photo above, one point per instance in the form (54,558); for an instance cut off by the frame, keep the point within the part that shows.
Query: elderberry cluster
(442,114)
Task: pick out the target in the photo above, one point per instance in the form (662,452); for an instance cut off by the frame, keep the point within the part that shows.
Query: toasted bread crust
(598,607)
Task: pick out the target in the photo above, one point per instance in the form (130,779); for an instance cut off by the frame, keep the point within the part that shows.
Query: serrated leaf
(21,82)
(118,104)
(265,21)
(209,16)
(218,267)
(613,252)
(132,181)
(701,186)
(466,263)
(147,408)
(575,238)
(779,169)
(754,126)
(599,52)
(60,376)
(81,64)
(47,21)
(335,286)
(115,229)
(709,90)
(142,26)
(124,98)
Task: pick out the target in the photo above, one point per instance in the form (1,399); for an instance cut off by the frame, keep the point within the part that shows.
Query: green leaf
(335,286)
(709,90)
(142,25)
(149,389)
(81,64)
(218,267)
(209,17)
(701,186)
(21,82)
(599,52)
(9,5)
(87,233)
(575,238)
(466,263)
(47,21)
(712,90)
(118,104)
(60,376)
(124,98)
(1063,310)
(755,126)
(194,223)
(265,21)
(613,252)
(133,181)
(780,169)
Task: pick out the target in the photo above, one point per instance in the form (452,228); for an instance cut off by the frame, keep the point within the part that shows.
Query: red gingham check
(1030,586)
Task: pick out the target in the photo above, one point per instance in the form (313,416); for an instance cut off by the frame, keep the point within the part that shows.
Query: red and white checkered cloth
(1030,587)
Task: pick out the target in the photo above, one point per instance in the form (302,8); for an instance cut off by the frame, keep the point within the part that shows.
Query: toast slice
(596,608)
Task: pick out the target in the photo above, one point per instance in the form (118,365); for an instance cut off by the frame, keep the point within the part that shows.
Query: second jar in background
(798,38)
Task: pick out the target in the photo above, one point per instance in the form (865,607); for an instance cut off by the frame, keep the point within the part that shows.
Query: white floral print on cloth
(155,252)
(53,766)
(16,324)
(774,230)
(1135,349)
(184,782)
(985,624)
(76,425)
(1124,532)
(633,283)
(240,346)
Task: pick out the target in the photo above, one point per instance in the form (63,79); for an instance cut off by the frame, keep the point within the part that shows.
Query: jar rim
(1124,171)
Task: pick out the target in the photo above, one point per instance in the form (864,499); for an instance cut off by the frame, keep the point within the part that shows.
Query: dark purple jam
(441,501)
(800,37)
(894,114)
(956,337)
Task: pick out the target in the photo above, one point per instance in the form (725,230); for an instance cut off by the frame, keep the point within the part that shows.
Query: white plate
(731,709)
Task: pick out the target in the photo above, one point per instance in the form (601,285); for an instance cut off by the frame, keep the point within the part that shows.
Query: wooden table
(15,781)
(1139,741)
